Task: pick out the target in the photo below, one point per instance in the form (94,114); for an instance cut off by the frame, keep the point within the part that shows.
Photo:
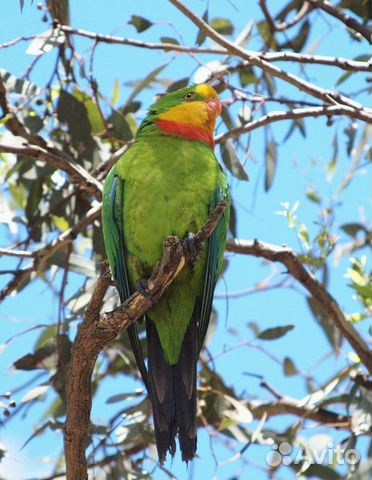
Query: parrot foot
(142,288)
(192,247)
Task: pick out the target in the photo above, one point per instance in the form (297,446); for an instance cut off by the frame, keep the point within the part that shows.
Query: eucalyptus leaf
(271,158)
(275,332)
(140,23)
(231,160)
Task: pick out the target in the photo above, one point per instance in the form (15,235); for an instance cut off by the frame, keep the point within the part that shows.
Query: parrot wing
(216,248)
(113,226)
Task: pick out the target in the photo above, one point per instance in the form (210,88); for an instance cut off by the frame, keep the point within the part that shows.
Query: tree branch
(290,406)
(280,27)
(168,47)
(97,331)
(343,17)
(287,257)
(294,114)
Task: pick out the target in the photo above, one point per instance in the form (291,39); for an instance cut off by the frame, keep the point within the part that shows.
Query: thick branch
(287,257)
(97,331)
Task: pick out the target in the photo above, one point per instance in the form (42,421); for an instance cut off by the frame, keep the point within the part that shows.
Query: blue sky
(302,164)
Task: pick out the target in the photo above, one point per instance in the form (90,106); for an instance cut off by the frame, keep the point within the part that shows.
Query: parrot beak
(215,106)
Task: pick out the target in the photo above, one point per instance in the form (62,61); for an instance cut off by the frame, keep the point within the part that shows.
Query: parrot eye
(189,96)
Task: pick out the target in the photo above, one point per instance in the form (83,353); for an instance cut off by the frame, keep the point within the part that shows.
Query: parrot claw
(142,288)
(192,247)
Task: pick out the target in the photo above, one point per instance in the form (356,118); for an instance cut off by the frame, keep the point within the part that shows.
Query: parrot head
(189,113)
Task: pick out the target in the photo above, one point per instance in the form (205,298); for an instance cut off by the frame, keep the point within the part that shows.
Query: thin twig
(296,113)
(338,13)
(280,27)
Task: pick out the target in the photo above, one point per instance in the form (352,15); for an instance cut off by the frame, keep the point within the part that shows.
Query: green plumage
(165,185)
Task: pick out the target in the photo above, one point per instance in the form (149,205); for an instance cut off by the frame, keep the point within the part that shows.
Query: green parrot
(168,183)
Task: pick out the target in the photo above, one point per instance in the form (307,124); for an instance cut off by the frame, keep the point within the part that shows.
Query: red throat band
(185,131)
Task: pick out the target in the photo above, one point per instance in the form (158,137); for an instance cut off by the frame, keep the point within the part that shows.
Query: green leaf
(33,200)
(226,423)
(331,332)
(297,124)
(120,127)
(201,35)
(171,40)
(222,26)
(116,93)
(313,195)
(356,317)
(94,115)
(140,24)
(183,82)
(145,82)
(248,77)
(61,223)
(124,396)
(304,235)
(334,160)
(232,222)
(290,368)
(297,43)
(343,78)
(271,157)
(267,35)
(231,160)
(275,332)
(352,228)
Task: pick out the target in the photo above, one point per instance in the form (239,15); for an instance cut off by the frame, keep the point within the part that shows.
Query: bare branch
(291,406)
(280,27)
(168,47)
(16,253)
(294,114)
(287,257)
(343,17)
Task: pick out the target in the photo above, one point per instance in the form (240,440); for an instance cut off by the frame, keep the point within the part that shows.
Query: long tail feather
(173,394)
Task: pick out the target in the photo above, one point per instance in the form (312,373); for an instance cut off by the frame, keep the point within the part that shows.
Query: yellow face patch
(206,91)
(193,113)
